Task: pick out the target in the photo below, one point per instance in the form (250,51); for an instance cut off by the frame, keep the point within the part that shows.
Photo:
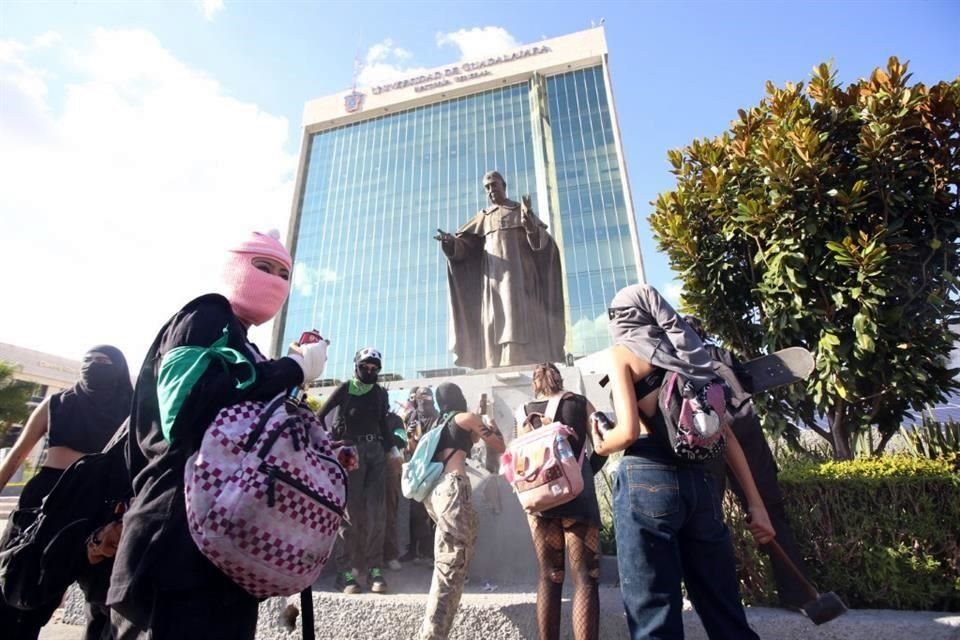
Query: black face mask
(99,376)
(367,377)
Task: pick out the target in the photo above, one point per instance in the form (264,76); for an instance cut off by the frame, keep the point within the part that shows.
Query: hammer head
(825,608)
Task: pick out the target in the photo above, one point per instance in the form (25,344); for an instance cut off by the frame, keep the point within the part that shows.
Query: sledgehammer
(823,607)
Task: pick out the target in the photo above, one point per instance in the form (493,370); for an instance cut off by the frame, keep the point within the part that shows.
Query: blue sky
(131,133)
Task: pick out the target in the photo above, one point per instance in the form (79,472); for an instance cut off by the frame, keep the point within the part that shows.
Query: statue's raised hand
(444,237)
(526,215)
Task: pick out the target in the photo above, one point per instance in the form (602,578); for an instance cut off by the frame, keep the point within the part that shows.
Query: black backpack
(43,549)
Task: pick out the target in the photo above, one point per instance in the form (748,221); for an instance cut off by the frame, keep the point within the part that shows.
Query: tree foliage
(14,395)
(827,217)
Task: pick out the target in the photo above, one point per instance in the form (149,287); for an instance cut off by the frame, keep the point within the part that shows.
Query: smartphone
(483,404)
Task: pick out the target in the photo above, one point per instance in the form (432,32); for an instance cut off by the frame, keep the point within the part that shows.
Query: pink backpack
(540,464)
(265,496)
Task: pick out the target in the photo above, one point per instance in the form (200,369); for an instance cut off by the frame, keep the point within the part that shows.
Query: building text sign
(458,73)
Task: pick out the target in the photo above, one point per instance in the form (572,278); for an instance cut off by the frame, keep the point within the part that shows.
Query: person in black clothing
(573,526)
(162,586)
(362,420)
(76,422)
(417,422)
(763,468)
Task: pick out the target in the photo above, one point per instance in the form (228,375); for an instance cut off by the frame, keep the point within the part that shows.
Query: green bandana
(357,388)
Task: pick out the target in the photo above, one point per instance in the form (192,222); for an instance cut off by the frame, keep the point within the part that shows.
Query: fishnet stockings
(582,543)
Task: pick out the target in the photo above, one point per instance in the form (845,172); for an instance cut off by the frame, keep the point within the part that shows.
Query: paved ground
(507,612)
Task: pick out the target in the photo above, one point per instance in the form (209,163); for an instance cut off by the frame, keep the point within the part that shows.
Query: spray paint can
(295,396)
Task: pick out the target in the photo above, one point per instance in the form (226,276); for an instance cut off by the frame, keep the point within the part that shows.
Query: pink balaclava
(256,296)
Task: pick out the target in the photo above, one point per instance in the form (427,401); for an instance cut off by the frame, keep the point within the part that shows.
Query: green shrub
(933,439)
(884,533)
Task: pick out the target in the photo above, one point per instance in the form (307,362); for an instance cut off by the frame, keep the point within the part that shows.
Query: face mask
(366,377)
(98,376)
(255,296)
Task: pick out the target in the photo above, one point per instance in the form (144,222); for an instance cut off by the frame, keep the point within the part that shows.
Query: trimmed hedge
(883,533)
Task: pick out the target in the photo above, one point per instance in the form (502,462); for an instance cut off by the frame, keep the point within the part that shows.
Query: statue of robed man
(506,296)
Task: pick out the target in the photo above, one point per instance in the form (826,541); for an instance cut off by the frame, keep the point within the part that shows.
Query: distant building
(381,168)
(48,372)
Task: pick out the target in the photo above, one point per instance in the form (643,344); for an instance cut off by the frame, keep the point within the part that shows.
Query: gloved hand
(312,358)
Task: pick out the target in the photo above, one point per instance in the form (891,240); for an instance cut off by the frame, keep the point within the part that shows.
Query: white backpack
(265,496)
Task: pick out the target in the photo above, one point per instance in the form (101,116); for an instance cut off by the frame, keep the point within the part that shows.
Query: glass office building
(376,182)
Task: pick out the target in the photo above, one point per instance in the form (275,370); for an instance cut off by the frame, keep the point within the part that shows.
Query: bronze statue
(506,296)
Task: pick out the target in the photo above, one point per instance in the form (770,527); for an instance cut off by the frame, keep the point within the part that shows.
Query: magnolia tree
(829,217)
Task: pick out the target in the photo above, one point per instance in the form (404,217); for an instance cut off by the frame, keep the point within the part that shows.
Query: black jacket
(156,550)
(360,415)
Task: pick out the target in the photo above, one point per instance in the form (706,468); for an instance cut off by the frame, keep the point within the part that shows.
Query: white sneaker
(394,565)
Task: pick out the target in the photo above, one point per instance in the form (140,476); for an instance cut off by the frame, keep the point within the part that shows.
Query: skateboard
(793,364)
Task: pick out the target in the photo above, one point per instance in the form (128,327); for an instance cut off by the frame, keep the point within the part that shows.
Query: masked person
(664,509)
(362,420)
(417,422)
(450,505)
(162,586)
(76,422)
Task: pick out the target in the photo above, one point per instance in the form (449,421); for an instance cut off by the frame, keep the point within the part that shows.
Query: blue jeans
(669,529)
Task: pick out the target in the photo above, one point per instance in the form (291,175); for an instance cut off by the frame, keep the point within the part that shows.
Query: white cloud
(117,203)
(479,42)
(386,62)
(210,8)
(587,332)
(307,279)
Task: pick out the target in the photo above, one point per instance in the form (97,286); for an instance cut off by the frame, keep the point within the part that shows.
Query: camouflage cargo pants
(450,505)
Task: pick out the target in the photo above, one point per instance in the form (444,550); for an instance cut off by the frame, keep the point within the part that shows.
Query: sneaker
(408,557)
(347,583)
(375,581)
(394,565)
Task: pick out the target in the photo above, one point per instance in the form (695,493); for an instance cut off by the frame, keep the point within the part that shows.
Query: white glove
(312,358)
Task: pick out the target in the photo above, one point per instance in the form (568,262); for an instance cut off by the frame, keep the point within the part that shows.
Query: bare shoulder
(468,421)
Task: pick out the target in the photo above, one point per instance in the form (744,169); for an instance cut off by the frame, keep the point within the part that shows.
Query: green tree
(827,217)
(14,395)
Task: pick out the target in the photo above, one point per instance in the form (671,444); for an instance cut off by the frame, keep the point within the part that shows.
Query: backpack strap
(551,413)
(554,404)
(306,614)
(444,423)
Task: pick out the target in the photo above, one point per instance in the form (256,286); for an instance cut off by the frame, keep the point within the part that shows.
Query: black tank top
(85,436)
(453,436)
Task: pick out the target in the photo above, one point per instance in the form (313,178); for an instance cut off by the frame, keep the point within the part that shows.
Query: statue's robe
(506,293)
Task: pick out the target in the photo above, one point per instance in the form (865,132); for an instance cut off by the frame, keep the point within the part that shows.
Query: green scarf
(357,388)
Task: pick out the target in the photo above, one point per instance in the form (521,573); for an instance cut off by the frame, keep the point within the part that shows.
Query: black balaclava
(450,398)
(100,401)
(101,379)
(423,403)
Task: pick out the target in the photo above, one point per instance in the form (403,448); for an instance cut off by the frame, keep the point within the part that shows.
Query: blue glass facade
(368,271)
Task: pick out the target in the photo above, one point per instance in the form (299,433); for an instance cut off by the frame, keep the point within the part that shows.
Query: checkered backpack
(265,496)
